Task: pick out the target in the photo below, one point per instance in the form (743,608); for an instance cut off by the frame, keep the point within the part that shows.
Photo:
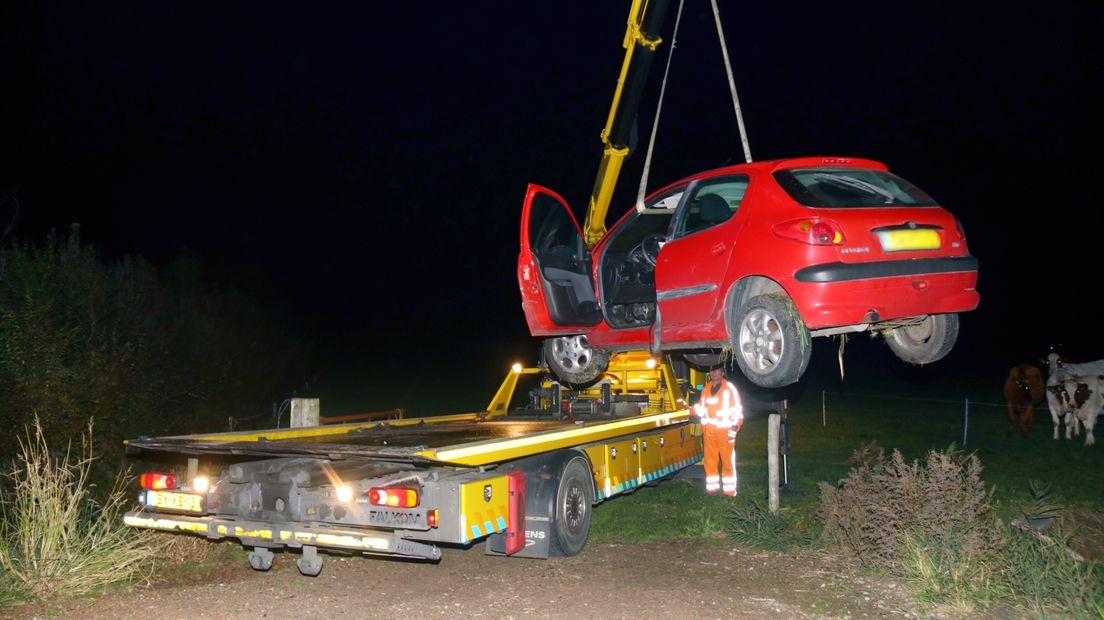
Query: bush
(934,523)
(143,353)
(55,537)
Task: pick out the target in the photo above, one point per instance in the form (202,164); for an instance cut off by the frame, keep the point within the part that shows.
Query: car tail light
(813,231)
(152,481)
(396,497)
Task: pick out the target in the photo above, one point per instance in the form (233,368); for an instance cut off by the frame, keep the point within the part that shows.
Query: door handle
(717,250)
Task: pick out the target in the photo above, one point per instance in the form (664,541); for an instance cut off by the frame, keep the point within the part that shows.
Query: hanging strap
(659,106)
(731,82)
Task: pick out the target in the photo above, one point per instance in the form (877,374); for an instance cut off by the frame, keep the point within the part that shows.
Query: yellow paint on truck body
(484,507)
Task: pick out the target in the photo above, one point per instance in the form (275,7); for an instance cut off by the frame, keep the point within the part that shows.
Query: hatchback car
(749,261)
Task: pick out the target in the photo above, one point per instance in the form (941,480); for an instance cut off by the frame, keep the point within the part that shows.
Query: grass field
(827,421)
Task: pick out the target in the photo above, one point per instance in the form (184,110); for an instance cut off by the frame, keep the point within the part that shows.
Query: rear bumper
(844,272)
(836,294)
(292,534)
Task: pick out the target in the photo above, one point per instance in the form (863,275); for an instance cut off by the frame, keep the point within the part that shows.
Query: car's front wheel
(928,341)
(573,360)
(772,344)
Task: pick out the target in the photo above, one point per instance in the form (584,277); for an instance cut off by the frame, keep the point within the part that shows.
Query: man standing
(722,415)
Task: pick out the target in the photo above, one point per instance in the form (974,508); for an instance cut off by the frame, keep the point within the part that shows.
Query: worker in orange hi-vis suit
(722,415)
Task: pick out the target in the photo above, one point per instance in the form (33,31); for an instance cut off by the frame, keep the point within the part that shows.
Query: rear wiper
(853,183)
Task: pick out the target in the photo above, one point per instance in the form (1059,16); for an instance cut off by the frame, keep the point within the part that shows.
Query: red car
(749,261)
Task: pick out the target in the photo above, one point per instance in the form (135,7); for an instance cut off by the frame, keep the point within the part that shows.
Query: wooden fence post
(305,412)
(773,421)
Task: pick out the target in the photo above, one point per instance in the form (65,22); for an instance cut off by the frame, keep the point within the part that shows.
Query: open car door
(554,267)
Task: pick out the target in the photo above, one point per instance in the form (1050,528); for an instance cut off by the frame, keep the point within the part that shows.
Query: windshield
(850,187)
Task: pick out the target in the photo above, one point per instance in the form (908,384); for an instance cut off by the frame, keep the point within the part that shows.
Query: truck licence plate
(186,502)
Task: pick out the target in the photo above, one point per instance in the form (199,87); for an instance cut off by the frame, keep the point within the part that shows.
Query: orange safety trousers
(719,454)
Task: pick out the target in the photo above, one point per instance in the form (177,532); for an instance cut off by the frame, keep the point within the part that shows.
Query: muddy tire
(926,342)
(771,343)
(573,360)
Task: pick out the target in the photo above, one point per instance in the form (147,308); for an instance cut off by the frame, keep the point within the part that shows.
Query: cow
(1056,393)
(1083,399)
(1023,389)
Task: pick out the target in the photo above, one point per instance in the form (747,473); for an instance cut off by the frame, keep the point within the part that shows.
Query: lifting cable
(663,89)
(731,83)
(659,106)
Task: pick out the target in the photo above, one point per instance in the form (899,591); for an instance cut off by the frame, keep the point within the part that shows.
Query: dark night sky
(363,164)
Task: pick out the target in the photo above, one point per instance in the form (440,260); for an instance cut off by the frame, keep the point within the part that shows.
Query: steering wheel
(650,246)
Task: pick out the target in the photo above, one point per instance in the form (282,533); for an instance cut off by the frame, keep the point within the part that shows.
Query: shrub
(933,523)
(56,537)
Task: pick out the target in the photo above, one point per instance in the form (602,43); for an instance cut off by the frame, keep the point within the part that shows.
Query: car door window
(711,203)
(552,233)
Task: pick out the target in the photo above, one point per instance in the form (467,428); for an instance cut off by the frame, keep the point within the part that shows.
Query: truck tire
(571,518)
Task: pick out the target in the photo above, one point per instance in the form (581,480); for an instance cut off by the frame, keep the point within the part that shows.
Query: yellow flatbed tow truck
(522,479)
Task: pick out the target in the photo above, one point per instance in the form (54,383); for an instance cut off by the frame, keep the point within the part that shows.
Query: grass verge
(56,536)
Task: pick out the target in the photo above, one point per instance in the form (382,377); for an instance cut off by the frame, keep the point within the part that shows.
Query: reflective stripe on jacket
(722,410)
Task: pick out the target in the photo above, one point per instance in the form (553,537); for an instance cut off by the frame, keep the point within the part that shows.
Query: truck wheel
(772,344)
(574,360)
(571,521)
(926,342)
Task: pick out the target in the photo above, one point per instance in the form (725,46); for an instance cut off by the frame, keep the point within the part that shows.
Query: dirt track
(650,580)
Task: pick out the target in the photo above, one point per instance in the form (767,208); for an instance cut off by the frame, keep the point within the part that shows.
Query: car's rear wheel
(925,342)
(772,344)
(573,360)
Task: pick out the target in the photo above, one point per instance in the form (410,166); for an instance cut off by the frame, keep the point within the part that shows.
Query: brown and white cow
(1083,399)
(1056,394)
(1023,389)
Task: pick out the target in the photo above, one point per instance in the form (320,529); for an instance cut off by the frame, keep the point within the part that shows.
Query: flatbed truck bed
(524,484)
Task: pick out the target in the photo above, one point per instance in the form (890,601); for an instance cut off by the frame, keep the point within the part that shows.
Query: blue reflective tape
(488,526)
(501,523)
(475,532)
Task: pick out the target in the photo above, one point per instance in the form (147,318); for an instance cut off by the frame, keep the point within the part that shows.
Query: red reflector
(432,518)
(396,497)
(810,231)
(153,481)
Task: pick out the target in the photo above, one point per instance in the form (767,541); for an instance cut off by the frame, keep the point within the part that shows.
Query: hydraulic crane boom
(640,43)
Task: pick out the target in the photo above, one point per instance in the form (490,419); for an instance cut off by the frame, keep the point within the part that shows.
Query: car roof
(772,165)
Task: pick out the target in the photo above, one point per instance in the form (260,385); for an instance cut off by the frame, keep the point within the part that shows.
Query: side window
(551,231)
(713,202)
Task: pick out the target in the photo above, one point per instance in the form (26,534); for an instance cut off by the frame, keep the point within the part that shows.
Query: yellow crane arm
(640,43)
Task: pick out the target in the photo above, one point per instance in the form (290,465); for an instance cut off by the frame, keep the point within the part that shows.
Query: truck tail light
(395,497)
(153,481)
(813,231)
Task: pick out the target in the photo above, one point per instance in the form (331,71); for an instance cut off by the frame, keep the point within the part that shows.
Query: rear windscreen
(850,187)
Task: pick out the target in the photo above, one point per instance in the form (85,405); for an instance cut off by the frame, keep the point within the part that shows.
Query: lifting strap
(663,89)
(659,106)
(731,83)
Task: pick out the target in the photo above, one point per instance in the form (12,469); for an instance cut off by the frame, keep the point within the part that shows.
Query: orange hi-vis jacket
(722,410)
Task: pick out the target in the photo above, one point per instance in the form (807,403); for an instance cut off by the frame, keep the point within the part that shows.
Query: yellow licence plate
(918,239)
(174,501)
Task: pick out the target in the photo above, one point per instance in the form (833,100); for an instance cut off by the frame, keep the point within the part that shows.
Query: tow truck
(523,478)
